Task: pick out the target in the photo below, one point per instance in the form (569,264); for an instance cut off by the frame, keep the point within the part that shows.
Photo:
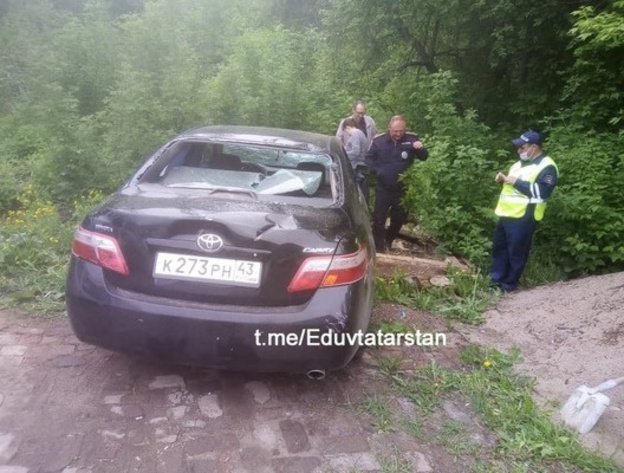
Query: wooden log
(386,258)
(422,269)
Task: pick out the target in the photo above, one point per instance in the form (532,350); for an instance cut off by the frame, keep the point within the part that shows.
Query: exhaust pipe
(316,374)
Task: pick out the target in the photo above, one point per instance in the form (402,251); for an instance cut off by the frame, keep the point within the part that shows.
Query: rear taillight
(102,250)
(326,271)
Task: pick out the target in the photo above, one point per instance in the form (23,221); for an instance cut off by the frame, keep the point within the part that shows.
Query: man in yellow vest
(521,205)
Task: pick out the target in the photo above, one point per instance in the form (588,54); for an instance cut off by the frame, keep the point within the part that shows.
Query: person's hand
(418,144)
(511,180)
(500,177)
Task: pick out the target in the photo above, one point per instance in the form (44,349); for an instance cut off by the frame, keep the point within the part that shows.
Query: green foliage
(27,32)
(464,299)
(86,53)
(133,124)
(34,245)
(508,55)
(595,87)
(61,165)
(43,151)
(395,462)
(453,193)
(426,387)
(502,402)
(391,327)
(89,89)
(263,81)
(542,267)
(17,152)
(8,188)
(396,289)
(583,227)
(473,295)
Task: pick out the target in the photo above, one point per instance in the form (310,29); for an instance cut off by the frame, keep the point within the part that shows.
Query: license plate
(199,268)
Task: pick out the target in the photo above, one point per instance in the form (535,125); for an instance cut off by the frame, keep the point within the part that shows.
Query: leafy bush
(453,193)
(584,224)
(263,82)
(595,83)
(22,145)
(9,187)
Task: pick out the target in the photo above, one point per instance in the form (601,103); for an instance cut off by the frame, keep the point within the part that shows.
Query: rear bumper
(215,336)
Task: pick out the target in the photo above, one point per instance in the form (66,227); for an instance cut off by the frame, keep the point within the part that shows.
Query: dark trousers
(387,201)
(510,251)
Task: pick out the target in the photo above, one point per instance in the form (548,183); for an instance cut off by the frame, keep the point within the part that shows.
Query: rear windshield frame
(199,153)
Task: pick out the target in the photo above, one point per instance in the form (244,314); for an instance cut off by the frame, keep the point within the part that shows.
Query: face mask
(524,156)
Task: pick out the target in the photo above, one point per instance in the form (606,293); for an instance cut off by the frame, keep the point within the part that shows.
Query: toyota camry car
(233,248)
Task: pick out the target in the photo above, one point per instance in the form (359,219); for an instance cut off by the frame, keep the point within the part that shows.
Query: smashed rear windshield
(253,170)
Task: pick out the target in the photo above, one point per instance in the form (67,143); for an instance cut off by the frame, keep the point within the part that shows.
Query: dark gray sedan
(233,248)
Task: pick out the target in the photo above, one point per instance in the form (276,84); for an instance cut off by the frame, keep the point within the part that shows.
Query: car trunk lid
(215,251)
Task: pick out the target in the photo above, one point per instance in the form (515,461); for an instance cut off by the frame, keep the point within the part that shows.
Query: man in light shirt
(362,122)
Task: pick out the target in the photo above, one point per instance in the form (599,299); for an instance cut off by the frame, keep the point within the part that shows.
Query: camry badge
(318,250)
(209,242)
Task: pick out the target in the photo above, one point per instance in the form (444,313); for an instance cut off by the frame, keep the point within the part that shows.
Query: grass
(36,291)
(454,436)
(540,269)
(500,402)
(424,388)
(415,427)
(395,462)
(380,413)
(465,299)
(35,243)
(389,365)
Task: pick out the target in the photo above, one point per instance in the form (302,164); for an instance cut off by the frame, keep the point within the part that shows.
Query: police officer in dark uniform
(390,155)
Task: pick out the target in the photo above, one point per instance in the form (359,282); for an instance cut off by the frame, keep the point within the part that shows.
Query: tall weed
(35,244)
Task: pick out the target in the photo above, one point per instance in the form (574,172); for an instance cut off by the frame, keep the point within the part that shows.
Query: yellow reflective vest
(512,203)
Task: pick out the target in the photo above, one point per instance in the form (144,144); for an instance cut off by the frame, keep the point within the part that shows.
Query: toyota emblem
(209,242)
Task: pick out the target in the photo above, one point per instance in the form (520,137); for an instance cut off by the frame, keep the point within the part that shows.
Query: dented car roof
(290,139)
